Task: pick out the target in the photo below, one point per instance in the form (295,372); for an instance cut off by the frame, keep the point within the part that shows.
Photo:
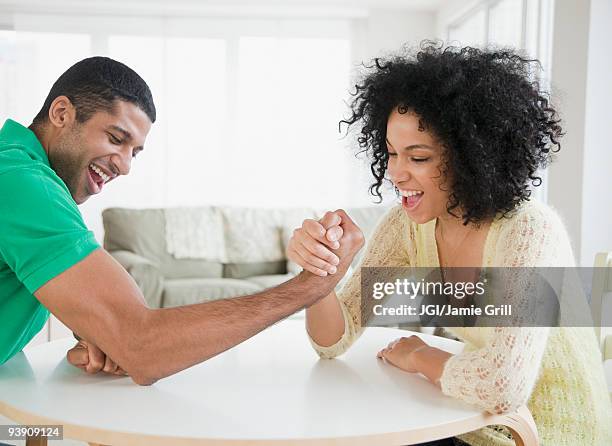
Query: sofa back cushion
(143,231)
(252,269)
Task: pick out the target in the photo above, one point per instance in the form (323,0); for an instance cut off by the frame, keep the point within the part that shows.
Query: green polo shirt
(42,234)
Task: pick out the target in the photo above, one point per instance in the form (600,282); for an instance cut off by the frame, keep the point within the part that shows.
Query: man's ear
(61,112)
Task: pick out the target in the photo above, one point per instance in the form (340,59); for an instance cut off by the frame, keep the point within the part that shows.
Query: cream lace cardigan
(557,372)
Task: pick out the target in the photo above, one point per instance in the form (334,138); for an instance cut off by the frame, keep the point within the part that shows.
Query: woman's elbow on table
(505,402)
(331,351)
(498,396)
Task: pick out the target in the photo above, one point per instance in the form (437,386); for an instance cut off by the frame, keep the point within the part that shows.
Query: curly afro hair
(495,125)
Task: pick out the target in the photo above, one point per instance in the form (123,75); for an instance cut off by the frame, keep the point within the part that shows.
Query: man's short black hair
(94,84)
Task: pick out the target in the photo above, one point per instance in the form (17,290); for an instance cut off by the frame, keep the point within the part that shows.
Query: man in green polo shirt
(42,234)
(93,122)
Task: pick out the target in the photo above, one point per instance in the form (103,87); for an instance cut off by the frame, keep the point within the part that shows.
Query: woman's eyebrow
(412,146)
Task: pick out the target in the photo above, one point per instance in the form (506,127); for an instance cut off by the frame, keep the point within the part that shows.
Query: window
(30,63)
(290,99)
(248,109)
(506,23)
(470,31)
(520,24)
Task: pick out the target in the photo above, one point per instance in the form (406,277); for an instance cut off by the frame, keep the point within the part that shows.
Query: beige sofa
(136,238)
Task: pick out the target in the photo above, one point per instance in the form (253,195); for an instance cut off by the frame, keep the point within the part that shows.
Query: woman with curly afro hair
(461,134)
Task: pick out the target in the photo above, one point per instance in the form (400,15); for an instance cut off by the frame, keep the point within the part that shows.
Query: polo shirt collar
(14,133)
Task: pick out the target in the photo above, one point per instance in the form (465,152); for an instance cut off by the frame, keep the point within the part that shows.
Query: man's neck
(41,134)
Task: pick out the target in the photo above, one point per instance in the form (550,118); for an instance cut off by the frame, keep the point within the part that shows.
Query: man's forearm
(172,339)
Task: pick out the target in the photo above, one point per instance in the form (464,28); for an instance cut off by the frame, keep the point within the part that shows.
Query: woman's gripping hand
(312,245)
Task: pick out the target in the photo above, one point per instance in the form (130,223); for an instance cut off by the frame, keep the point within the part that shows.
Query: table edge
(117,438)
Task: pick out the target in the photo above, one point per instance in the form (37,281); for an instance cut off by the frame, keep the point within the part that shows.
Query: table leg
(522,426)
(36,441)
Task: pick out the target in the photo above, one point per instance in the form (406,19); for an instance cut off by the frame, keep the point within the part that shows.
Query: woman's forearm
(324,321)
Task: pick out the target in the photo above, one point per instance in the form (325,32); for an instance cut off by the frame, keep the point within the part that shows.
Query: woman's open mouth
(411,199)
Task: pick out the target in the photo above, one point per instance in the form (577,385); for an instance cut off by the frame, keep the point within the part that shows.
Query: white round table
(271,389)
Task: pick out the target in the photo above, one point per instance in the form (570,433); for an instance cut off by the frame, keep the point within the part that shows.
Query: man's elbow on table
(141,371)
(143,380)
(139,353)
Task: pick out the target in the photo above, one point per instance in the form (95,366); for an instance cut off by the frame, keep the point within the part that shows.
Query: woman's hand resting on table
(399,353)
(412,354)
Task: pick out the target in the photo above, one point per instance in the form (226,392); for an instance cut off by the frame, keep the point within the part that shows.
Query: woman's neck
(459,244)
(452,228)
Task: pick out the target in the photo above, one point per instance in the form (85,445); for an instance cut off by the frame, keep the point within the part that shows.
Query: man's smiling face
(88,155)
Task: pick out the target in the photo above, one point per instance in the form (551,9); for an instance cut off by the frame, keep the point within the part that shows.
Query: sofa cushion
(142,231)
(244,270)
(195,233)
(252,235)
(269,281)
(179,292)
(145,274)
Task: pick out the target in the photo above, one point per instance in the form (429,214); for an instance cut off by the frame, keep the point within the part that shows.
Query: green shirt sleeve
(42,231)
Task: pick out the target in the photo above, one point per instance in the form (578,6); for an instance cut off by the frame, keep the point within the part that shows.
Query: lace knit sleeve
(500,376)
(391,244)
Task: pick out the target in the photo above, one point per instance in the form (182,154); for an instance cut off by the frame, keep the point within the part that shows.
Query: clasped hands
(312,247)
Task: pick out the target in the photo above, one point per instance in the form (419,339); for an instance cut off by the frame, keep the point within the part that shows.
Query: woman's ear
(61,112)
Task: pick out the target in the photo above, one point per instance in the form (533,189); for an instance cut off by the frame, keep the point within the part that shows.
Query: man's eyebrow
(124,132)
(413,146)
(126,135)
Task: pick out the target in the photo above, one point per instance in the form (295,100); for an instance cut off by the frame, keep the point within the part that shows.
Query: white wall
(580,181)
(449,12)
(388,30)
(383,32)
(596,196)
(568,79)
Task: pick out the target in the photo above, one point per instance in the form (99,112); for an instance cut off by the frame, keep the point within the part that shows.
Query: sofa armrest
(145,274)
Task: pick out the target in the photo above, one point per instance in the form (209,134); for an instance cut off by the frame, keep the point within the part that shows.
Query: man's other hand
(91,359)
